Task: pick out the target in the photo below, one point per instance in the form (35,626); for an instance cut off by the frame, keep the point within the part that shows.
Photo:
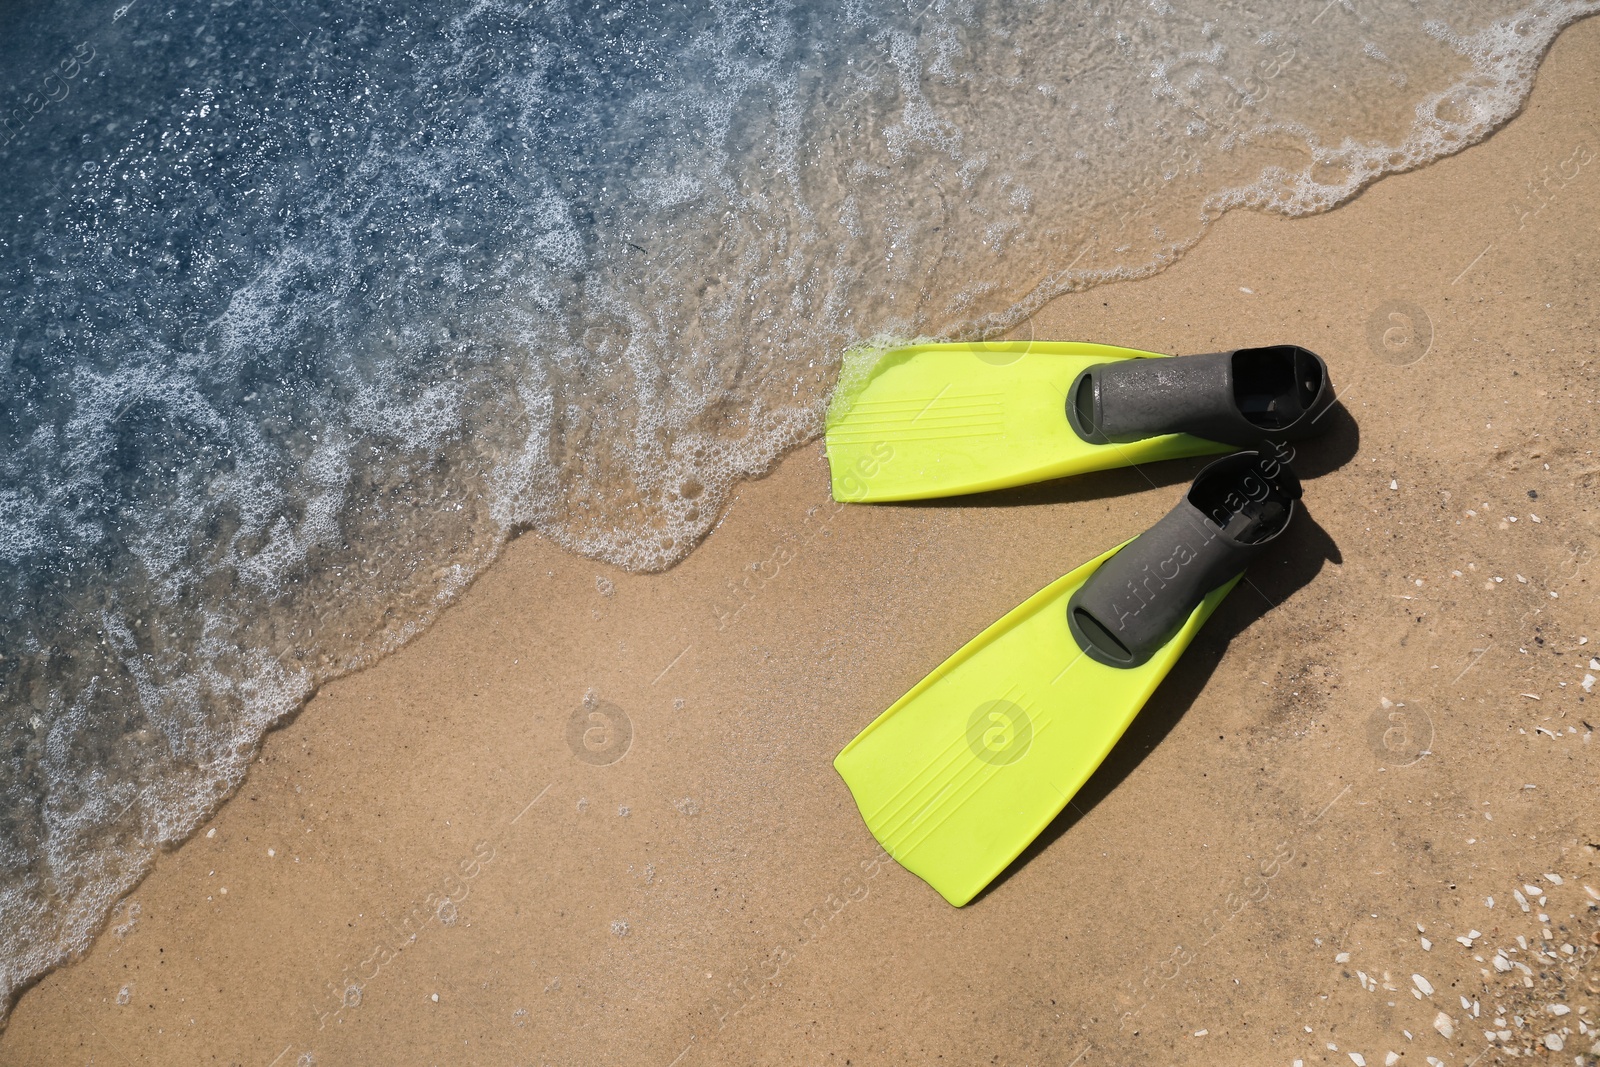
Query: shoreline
(625,902)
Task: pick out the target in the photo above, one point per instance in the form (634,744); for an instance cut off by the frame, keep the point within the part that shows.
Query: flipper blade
(960,774)
(939,420)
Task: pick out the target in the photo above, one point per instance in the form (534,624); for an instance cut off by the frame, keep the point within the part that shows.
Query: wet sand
(591,817)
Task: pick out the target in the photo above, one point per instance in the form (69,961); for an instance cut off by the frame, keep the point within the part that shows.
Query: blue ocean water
(305,309)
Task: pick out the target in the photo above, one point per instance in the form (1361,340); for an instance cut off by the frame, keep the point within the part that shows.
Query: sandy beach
(590,817)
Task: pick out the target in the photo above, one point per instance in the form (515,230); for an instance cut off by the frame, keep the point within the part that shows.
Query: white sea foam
(1501,60)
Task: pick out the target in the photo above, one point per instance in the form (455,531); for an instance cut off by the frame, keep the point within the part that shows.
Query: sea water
(305,310)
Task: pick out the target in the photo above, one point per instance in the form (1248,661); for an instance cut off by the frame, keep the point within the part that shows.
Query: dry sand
(1385,729)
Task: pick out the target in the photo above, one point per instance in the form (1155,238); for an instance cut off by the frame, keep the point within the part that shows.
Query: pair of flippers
(961,773)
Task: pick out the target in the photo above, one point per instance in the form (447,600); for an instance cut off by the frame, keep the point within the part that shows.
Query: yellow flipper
(938,420)
(971,765)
